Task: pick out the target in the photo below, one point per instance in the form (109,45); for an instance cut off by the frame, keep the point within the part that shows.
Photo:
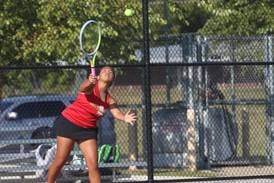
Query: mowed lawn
(132,97)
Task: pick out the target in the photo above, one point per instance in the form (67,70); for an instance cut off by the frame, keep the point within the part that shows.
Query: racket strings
(90,37)
(90,40)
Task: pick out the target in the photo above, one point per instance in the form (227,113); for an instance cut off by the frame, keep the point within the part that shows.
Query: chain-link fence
(211,111)
(207,112)
(224,98)
(27,120)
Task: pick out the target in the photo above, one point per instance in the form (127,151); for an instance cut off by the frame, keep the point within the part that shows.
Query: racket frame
(90,56)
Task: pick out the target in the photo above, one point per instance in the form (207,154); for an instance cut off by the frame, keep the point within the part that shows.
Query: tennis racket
(90,39)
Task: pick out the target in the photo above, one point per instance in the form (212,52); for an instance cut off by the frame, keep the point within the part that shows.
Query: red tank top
(83,111)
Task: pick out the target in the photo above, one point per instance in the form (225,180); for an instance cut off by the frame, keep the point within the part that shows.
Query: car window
(4,105)
(39,109)
(27,110)
(51,109)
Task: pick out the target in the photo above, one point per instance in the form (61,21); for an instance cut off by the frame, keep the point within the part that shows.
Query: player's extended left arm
(128,117)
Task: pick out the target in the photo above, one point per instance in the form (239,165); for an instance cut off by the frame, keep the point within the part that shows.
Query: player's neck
(102,86)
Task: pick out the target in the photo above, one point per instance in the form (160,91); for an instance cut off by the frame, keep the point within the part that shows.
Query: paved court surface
(143,178)
(240,181)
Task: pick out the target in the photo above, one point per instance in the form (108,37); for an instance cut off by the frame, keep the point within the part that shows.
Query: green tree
(16,20)
(43,32)
(238,17)
(16,27)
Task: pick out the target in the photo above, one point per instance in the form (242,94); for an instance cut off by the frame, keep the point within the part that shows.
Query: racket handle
(93,73)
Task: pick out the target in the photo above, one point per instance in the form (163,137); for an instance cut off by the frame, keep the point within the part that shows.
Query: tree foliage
(39,32)
(42,32)
(238,17)
(45,31)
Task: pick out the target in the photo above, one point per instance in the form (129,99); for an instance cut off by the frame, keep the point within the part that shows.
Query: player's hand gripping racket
(90,39)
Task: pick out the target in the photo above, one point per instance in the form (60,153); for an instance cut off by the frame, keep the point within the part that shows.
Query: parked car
(29,117)
(32,117)
(170,135)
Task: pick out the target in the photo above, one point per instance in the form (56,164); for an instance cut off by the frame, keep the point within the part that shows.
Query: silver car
(28,117)
(169,137)
(31,117)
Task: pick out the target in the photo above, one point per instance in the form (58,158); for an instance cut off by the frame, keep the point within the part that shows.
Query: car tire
(44,132)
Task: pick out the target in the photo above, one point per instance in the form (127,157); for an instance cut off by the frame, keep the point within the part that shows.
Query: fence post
(132,143)
(148,120)
(191,140)
(191,132)
(232,82)
(269,81)
(271,92)
(185,44)
(245,134)
(166,27)
(206,121)
(202,163)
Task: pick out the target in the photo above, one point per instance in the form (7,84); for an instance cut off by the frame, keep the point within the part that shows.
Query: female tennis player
(77,123)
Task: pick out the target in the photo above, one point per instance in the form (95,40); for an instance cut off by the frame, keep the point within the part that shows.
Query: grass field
(132,97)
(172,172)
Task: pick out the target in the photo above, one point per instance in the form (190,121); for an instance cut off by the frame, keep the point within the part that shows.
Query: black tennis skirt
(64,128)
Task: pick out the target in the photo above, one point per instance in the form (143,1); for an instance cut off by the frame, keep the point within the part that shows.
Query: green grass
(122,135)
(257,138)
(257,120)
(185,173)
(172,172)
(245,91)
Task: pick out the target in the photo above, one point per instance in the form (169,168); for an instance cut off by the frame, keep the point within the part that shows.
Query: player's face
(106,75)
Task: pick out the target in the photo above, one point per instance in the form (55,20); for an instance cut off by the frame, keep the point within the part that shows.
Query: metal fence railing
(205,105)
(222,88)
(212,115)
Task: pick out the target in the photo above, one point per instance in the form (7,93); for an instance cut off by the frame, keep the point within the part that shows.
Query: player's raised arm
(88,84)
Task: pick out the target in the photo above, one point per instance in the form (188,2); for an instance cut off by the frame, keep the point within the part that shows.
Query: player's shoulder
(110,98)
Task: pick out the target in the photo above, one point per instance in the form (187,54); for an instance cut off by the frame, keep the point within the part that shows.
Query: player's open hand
(130,117)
